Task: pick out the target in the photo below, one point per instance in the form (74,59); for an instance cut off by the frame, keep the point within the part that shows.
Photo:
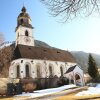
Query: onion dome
(24,19)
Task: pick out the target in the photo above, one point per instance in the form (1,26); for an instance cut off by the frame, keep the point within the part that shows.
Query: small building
(75,75)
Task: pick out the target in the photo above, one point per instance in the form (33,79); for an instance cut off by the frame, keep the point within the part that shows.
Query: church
(32,62)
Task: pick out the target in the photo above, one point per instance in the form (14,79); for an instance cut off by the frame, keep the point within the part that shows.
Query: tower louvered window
(26,33)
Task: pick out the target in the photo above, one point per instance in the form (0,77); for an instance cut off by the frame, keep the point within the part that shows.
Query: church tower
(24,29)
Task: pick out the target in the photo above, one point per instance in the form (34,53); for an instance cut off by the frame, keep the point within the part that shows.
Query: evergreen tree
(92,67)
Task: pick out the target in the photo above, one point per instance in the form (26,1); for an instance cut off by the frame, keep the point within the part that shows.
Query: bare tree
(69,9)
(6,55)
(2,38)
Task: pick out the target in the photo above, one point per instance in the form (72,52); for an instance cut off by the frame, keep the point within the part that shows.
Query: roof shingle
(42,53)
(70,69)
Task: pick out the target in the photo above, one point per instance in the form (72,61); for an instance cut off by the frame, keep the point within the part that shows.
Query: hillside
(82,59)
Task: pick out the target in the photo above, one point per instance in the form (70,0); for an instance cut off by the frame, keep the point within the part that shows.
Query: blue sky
(80,34)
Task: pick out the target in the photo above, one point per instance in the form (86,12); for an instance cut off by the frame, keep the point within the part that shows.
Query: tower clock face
(27,40)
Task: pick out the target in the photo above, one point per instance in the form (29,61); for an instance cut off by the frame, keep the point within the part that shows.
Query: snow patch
(90,91)
(45,92)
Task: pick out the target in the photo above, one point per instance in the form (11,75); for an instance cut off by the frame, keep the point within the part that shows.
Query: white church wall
(45,67)
(54,66)
(20,36)
(70,75)
(39,63)
(33,70)
(11,72)
(33,64)
(22,29)
(63,65)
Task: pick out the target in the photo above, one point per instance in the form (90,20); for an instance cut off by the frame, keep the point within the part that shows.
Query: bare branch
(6,55)
(69,9)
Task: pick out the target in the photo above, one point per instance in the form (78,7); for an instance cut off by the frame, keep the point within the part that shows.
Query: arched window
(26,33)
(50,71)
(18,71)
(21,21)
(38,71)
(61,70)
(27,70)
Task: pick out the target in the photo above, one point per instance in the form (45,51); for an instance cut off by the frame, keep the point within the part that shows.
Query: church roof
(70,69)
(33,52)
